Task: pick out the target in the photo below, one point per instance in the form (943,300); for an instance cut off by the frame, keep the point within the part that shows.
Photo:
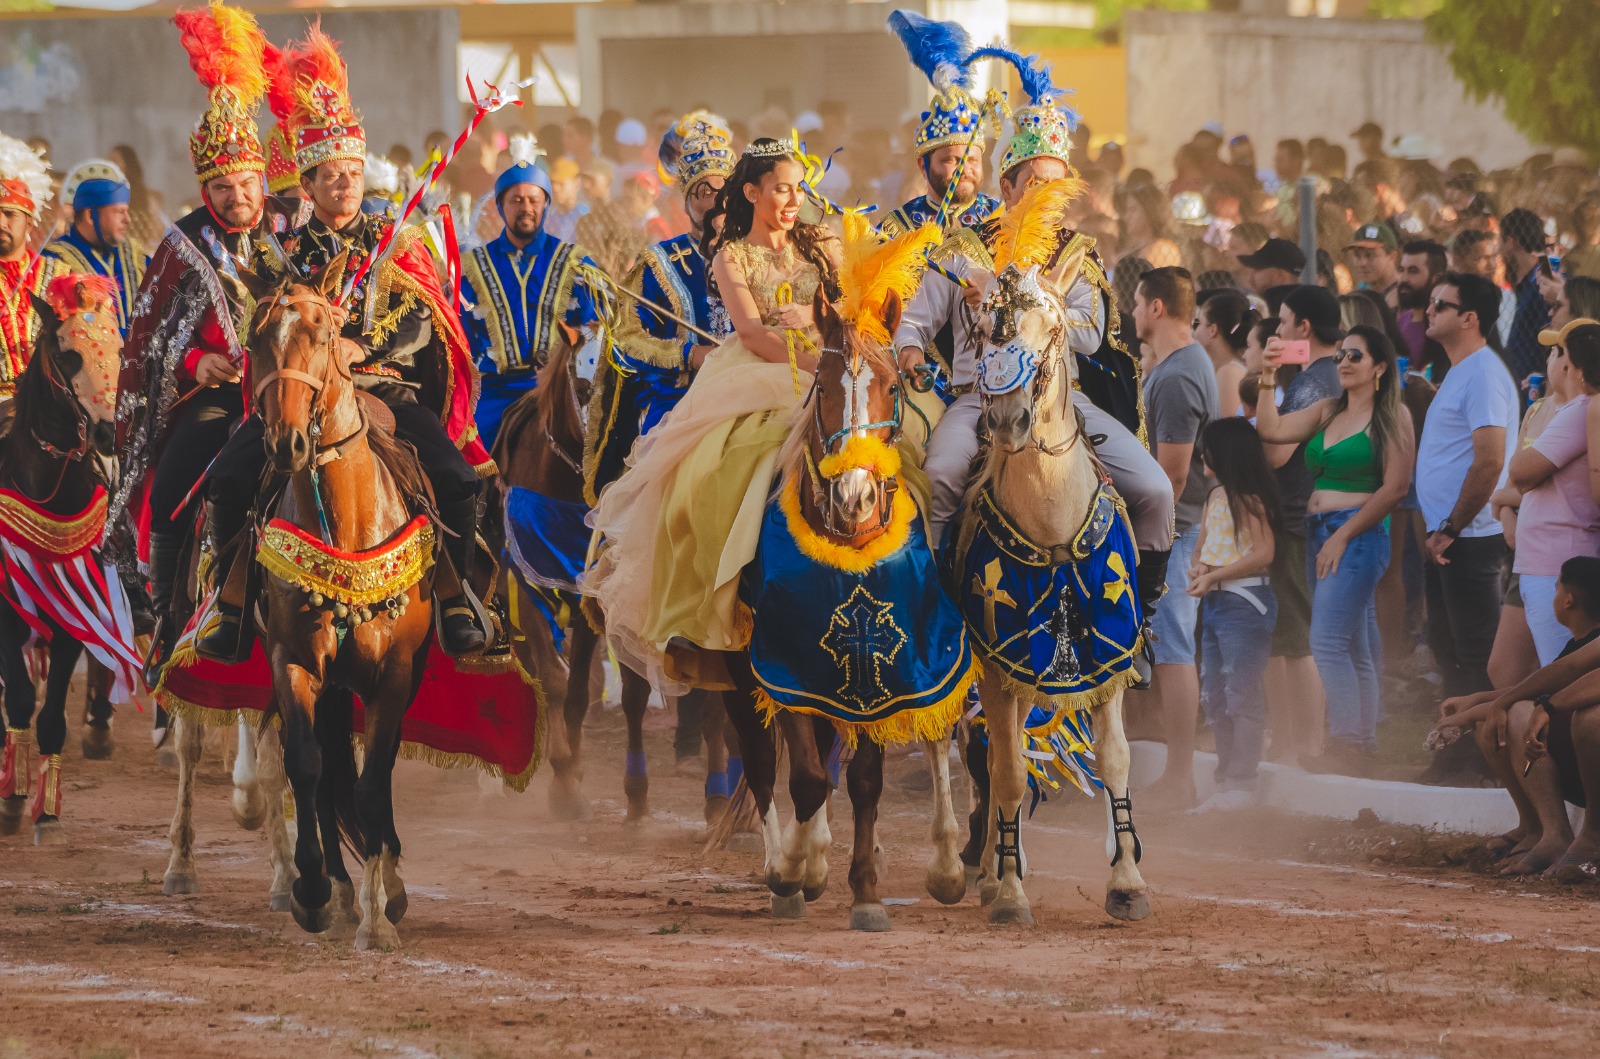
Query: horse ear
(248,285)
(47,314)
(331,277)
(569,334)
(1064,273)
(893,308)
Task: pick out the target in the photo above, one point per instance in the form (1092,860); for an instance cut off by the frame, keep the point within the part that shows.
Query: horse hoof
(570,807)
(869,917)
(716,805)
(1130,906)
(790,907)
(11,814)
(175,883)
(947,889)
(97,744)
(380,936)
(746,842)
(49,832)
(811,893)
(1010,911)
(311,920)
(167,757)
(344,899)
(988,891)
(249,809)
(394,909)
(279,902)
(638,813)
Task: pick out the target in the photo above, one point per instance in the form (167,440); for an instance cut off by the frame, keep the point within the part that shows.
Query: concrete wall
(1298,77)
(87,84)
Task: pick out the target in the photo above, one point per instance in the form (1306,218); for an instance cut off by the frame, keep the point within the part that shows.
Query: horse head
(855,423)
(296,365)
(1024,375)
(80,354)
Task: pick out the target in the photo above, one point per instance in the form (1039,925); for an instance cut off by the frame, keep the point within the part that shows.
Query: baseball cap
(1374,235)
(1369,128)
(1276,253)
(631,133)
(563,169)
(1550,337)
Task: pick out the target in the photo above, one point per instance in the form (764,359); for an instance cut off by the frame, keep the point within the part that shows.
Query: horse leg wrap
(47,799)
(635,764)
(1121,812)
(717,785)
(735,773)
(1008,843)
(14,770)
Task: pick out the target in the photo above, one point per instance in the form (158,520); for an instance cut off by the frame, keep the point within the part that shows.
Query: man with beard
(1422,262)
(98,242)
(24,191)
(400,334)
(519,288)
(184,356)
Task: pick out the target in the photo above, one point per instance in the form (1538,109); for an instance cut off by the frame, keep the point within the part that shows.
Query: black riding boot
(1152,586)
(460,632)
(221,642)
(165,549)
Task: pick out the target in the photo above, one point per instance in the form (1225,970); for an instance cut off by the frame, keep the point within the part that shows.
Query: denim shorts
(1178,612)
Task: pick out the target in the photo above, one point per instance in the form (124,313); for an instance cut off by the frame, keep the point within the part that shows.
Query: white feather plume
(524,149)
(382,176)
(18,161)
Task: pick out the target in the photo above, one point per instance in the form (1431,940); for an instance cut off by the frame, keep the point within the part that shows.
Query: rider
(1107,390)
(517,288)
(184,356)
(24,190)
(401,336)
(98,241)
(287,207)
(656,356)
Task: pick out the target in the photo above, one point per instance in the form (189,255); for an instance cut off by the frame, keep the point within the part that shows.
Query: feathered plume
(226,49)
(1030,233)
(524,149)
(21,164)
(1034,75)
(874,269)
(78,292)
(280,83)
(939,49)
(317,62)
(381,176)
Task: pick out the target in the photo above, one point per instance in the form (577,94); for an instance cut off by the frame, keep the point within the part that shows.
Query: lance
(660,310)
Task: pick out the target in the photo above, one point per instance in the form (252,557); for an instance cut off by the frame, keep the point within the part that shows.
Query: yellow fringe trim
(908,726)
(819,549)
(865,452)
(1077,700)
(357,579)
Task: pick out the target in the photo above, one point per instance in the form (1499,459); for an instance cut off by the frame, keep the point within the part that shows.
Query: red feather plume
(280,83)
(75,292)
(225,47)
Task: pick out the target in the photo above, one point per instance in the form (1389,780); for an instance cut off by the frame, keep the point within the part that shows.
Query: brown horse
(347,487)
(58,441)
(851,510)
(540,448)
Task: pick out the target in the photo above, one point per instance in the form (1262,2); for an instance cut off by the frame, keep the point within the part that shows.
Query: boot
(165,549)
(14,765)
(461,632)
(221,642)
(1152,586)
(47,798)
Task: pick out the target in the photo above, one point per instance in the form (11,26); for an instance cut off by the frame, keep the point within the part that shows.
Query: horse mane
(35,394)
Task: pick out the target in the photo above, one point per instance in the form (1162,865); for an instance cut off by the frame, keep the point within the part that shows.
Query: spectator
(1146,227)
(1522,245)
(1422,262)
(1111,158)
(147,220)
(1478,252)
(594,182)
(606,132)
(1369,141)
(577,137)
(1288,162)
(1367,307)
(1233,552)
(1223,324)
(1181,397)
(1278,263)
(1466,441)
(1124,283)
(633,153)
(1584,257)
(1374,255)
(1558,517)
(561,220)
(1360,451)
(1579,296)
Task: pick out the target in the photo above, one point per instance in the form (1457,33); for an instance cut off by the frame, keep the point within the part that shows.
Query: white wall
(1299,77)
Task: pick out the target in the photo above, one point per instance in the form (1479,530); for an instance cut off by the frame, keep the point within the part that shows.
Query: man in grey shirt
(1180,399)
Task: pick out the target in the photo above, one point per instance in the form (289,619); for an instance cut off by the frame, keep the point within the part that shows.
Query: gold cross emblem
(989,588)
(1119,584)
(680,254)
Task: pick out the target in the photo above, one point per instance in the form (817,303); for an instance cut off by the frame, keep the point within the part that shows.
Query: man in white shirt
(1468,439)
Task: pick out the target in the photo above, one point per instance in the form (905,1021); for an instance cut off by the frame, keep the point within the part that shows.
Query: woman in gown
(684,519)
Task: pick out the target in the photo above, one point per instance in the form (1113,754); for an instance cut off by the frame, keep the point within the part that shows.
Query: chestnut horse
(342,487)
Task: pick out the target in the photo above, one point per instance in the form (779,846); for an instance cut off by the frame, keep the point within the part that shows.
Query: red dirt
(530,937)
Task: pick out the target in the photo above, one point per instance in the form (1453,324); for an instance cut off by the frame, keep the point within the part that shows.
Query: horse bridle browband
(895,425)
(322,454)
(1053,357)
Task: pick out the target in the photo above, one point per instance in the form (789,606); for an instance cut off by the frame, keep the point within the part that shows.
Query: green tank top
(1347,467)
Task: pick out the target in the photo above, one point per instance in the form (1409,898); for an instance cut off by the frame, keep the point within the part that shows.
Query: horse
(54,472)
(857,396)
(342,521)
(1040,483)
(541,448)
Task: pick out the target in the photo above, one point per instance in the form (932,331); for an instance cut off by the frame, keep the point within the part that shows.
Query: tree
(1537,58)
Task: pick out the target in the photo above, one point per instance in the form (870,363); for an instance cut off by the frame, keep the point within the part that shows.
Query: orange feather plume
(76,292)
(317,62)
(280,83)
(225,47)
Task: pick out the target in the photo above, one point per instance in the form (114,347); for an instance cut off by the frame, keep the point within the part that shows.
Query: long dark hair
(738,216)
(1386,405)
(1233,451)
(1230,312)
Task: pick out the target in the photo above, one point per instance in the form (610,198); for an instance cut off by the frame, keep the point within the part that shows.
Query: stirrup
(207,645)
(1118,827)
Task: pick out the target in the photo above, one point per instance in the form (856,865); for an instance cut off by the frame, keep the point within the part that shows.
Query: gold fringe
(819,549)
(933,721)
(1076,700)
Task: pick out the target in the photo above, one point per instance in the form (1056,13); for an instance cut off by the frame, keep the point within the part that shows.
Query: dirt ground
(531,937)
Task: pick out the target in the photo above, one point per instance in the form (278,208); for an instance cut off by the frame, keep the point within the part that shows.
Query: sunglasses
(1354,356)
(1439,305)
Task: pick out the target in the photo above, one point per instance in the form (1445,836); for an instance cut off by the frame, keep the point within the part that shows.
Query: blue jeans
(1174,620)
(1236,641)
(1344,626)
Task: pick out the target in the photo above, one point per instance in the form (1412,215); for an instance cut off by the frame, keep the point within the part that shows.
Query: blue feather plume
(933,45)
(1035,77)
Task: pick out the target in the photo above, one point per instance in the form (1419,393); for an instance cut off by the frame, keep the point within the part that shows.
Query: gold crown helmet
(281,172)
(697,146)
(226,51)
(24,180)
(309,92)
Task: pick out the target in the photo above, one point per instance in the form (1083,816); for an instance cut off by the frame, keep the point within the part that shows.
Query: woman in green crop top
(1360,449)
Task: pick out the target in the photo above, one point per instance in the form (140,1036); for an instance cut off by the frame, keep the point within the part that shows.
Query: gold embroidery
(358,578)
(49,535)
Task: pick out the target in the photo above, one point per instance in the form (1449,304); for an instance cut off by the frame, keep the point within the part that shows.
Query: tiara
(775,149)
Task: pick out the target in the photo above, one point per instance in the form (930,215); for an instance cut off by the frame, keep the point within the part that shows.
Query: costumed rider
(404,341)
(519,289)
(1106,390)
(655,357)
(24,191)
(98,242)
(184,358)
(287,207)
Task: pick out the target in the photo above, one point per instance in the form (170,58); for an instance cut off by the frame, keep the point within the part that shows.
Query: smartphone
(1295,351)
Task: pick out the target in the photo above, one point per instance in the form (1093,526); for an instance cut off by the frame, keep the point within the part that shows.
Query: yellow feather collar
(867,452)
(820,549)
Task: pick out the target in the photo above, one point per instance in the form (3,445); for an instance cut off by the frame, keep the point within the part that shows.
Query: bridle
(77,452)
(826,491)
(318,384)
(1051,360)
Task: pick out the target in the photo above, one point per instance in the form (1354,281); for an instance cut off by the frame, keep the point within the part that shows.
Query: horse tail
(335,723)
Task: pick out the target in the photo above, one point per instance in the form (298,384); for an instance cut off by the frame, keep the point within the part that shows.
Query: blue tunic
(511,301)
(924,210)
(125,264)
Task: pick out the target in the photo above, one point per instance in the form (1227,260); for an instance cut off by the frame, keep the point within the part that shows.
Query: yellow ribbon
(793,337)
